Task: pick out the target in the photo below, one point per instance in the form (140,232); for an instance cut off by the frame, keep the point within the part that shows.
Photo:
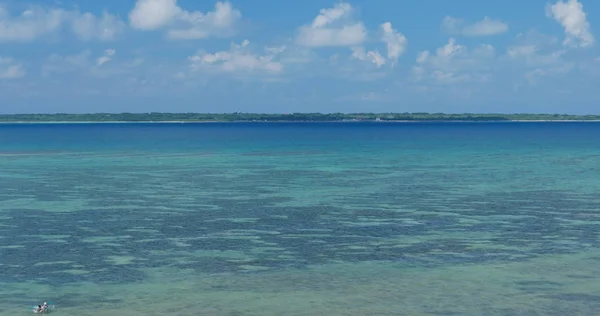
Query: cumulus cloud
(10,69)
(181,24)
(571,16)
(239,58)
(371,56)
(485,27)
(395,44)
(37,22)
(153,14)
(454,63)
(332,27)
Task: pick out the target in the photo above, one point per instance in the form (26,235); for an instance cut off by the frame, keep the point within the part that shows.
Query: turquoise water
(301,218)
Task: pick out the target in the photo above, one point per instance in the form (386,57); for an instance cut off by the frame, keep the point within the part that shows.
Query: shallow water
(301,219)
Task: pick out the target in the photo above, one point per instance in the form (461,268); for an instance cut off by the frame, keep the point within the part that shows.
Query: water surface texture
(301,218)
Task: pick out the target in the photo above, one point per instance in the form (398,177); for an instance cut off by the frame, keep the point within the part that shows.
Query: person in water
(41,308)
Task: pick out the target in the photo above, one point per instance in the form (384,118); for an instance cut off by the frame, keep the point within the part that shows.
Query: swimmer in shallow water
(41,308)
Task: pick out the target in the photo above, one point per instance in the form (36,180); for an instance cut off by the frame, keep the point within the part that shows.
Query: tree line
(299,117)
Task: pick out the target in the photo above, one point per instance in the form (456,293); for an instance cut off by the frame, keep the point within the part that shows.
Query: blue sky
(299,56)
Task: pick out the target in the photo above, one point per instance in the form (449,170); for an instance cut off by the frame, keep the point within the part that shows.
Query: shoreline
(293,121)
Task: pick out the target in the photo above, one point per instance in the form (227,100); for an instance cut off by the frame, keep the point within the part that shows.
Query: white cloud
(396,41)
(184,25)
(276,49)
(538,55)
(534,56)
(199,25)
(372,56)
(395,44)
(299,57)
(332,27)
(422,57)
(87,26)
(571,16)
(485,27)
(9,69)
(535,49)
(521,51)
(328,16)
(153,14)
(87,64)
(30,24)
(454,63)
(450,49)
(108,54)
(36,22)
(239,58)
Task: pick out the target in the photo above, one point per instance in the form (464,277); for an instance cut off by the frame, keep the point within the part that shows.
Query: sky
(273,56)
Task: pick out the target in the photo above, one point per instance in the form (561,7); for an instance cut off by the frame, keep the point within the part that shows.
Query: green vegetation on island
(294,117)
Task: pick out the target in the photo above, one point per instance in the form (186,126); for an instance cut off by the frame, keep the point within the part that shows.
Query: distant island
(292,117)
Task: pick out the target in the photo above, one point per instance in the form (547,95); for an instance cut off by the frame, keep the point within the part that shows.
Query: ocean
(349,218)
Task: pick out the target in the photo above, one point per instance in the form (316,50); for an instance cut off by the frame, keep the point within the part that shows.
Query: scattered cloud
(396,42)
(37,21)
(371,56)
(108,54)
(454,63)
(361,65)
(333,27)
(349,50)
(10,69)
(148,15)
(538,55)
(88,64)
(239,58)
(571,16)
(87,26)
(535,49)
(485,27)
(366,97)
(153,14)
(30,24)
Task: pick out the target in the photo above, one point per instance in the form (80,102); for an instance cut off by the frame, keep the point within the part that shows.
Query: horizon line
(303,113)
